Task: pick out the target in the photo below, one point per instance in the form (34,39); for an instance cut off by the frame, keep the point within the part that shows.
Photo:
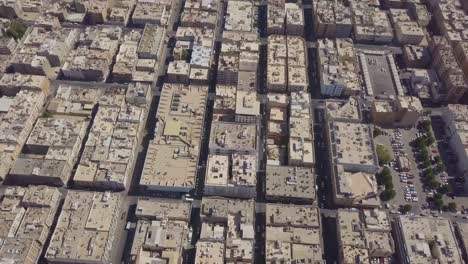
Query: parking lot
(406,182)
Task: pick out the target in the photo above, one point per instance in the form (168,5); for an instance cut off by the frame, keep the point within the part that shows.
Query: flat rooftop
(352,143)
(233,137)
(287,182)
(343,109)
(161,209)
(85,227)
(292,215)
(172,156)
(418,235)
(381,77)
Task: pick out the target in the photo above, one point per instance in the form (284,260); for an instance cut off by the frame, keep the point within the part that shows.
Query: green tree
(186,55)
(385,178)
(441,167)
(429,173)
(389,185)
(438,203)
(433,184)
(426,125)
(377,131)
(387,195)
(420,143)
(452,206)
(437,159)
(424,155)
(430,139)
(427,163)
(383,155)
(405,208)
(16,29)
(444,189)
(46,114)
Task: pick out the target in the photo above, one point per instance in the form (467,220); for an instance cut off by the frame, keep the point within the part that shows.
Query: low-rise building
(92,58)
(336,62)
(352,146)
(293,234)
(50,152)
(455,118)
(332,19)
(247,103)
(290,184)
(240,16)
(354,189)
(416,56)
(109,153)
(370,24)
(172,157)
(120,12)
(425,239)
(300,144)
(343,110)
(425,84)
(227,232)
(17,117)
(146,13)
(178,72)
(449,18)
(231,175)
(86,228)
(286,64)
(403,112)
(294,19)
(363,235)
(407,31)
(162,230)
(26,219)
(228,138)
(462,236)
(43,52)
(12,83)
(126,59)
(444,61)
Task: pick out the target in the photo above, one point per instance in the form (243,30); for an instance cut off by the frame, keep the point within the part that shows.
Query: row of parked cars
(411,195)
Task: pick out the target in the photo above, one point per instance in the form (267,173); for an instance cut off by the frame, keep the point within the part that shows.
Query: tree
(429,173)
(389,185)
(437,196)
(186,55)
(426,124)
(383,155)
(377,131)
(420,142)
(437,159)
(47,114)
(427,163)
(441,167)
(438,203)
(430,139)
(424,156)
(444,189)
(405,208)
(433,184)
(16,29)
(383,176)
(387,195)
(452,206)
